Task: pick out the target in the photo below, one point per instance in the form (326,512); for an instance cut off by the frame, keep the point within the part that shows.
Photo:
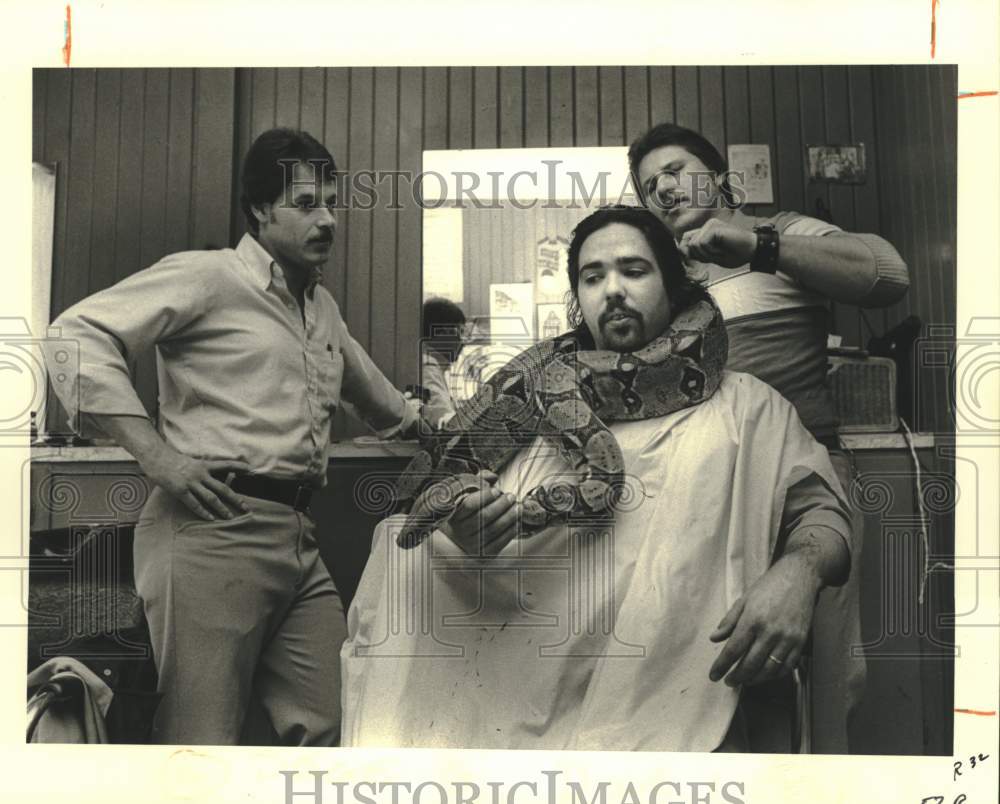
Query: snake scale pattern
(565,394)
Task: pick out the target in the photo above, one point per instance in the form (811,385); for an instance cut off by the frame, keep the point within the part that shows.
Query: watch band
(765,257)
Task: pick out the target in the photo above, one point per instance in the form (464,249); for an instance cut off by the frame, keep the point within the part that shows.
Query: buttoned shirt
(244,372)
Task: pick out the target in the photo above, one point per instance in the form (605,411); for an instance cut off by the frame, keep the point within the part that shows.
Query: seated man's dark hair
(682,290)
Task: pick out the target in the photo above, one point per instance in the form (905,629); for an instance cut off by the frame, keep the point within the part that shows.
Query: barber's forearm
(854,269)
(136,435)
(821,552)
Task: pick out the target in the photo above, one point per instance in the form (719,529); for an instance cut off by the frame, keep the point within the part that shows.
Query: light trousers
(238,608)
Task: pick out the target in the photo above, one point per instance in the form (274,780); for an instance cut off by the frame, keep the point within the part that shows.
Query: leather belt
(286,491)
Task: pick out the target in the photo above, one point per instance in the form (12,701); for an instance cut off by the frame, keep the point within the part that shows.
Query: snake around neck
(565,393)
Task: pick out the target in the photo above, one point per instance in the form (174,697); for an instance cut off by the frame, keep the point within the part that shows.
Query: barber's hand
(485,521)
(190,481)
(414,413)
(719,243)
(772,619)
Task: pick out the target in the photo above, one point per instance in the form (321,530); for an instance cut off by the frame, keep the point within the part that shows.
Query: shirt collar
(262,265)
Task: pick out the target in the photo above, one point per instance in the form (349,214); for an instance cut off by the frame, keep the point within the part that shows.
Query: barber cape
(586,635)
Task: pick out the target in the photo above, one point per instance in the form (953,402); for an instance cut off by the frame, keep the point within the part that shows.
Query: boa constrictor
(564,393)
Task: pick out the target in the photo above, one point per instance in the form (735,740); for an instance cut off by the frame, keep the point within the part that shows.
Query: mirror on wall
(496,228)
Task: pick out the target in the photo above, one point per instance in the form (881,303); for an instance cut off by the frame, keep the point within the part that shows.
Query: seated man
(636,633)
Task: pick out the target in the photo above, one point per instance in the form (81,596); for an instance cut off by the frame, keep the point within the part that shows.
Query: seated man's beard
(629,332)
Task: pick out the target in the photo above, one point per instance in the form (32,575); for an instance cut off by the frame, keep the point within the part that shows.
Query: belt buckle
(302,497)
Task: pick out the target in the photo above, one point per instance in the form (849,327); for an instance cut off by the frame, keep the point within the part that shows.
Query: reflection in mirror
(496,229)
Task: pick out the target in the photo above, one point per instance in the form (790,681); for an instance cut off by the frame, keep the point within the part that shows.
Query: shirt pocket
(331,375)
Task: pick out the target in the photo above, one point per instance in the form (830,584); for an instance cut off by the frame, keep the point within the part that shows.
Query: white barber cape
(590,636)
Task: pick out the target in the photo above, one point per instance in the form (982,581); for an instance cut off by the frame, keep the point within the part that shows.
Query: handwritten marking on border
(68,36)
(991,713)
(934,7)
(963,95)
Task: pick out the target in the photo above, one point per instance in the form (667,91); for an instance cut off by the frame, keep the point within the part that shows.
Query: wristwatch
(765,257)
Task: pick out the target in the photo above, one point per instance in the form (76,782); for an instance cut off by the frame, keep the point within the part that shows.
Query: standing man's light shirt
(272,406)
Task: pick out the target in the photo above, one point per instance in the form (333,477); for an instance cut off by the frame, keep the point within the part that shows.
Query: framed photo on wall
(837,164)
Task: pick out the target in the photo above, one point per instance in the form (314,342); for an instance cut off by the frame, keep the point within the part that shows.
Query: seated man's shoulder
(747,391)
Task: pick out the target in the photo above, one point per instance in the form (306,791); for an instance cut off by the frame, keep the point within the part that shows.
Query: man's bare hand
(766,629)
(719,243)
(485,521)
(190,480)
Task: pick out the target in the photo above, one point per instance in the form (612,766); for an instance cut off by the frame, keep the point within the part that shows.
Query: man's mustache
(618,309)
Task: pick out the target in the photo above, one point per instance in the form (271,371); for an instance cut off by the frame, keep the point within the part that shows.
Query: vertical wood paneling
(737,106)
(212,190)
(812,124)
(244,135)
(838,131)
(916,121)
(409,237)
(536,107)
(383,256)
(846,318)
(511,107)
(612,105)
(103,219)
(287,98)
(460,108)
(435,110)
(686,100)
(586,121)
(263,112)
(357,296)
(154,166)
(336,132)
(710,103)
(128,198)
(179,144)
(80,192)
(862,117)
(636,102)
(56,146)
(736,112)
(313,90)
(661,95)
(561,106)
(915,216)
(790,152)
(760,82)
(486,119)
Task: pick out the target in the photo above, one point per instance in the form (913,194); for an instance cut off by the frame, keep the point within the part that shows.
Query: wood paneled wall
(148,163)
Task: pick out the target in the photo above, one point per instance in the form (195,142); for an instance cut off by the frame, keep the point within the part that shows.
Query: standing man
(772,279)
(253,358)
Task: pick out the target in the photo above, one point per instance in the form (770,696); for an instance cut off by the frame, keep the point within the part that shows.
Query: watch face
(765,258)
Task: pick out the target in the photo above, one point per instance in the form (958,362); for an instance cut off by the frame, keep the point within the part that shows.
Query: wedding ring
(771,658)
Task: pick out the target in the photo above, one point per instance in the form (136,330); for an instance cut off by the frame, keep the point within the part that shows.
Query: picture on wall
(837,164)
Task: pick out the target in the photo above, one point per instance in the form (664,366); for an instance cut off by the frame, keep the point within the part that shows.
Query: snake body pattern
(566,394)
